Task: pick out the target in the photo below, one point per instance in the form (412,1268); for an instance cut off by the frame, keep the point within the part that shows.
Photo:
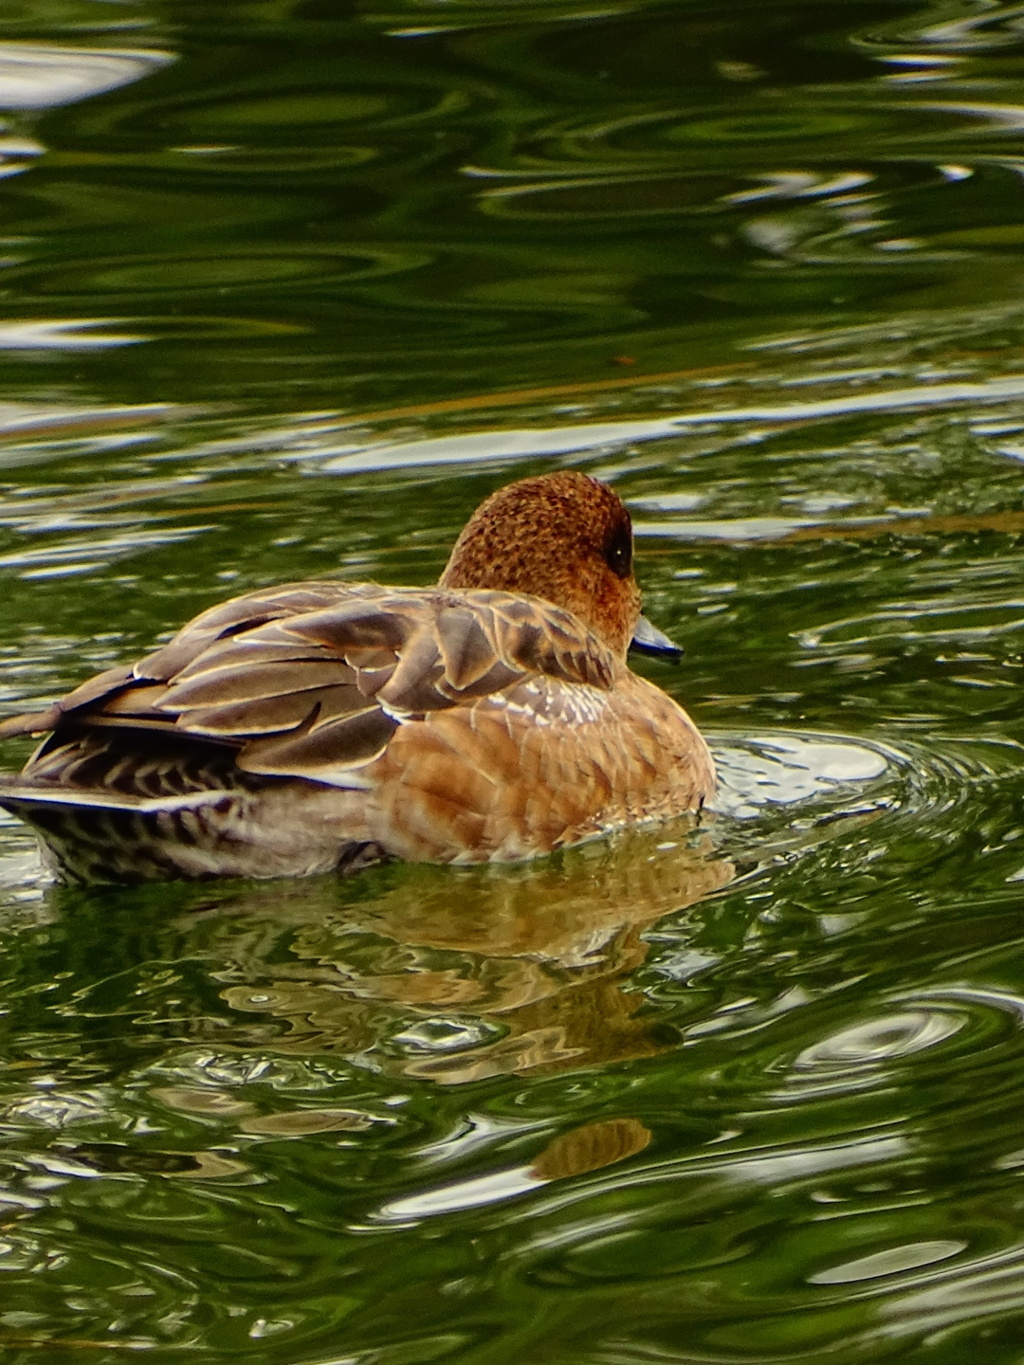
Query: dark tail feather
(102,836)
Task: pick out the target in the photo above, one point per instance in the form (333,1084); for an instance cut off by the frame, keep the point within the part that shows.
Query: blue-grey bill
(648,639)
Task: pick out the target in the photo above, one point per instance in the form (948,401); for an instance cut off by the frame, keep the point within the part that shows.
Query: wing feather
(249,680)
(466,647)
(274,714)
(239,615)
(312,680)
(326,753)
(412,687)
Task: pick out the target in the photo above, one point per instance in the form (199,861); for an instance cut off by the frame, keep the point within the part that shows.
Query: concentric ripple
(784,769)
(879,1042)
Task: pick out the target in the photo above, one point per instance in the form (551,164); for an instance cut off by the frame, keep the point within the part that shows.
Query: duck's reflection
(457,975)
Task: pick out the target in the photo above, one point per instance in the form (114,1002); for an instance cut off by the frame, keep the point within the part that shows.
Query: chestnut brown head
(564,537)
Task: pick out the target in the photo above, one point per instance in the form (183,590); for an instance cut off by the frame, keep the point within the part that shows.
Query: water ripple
(878,1042)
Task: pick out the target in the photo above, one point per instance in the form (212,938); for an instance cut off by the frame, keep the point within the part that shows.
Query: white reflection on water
(77,555)
(466,1194)
(484,445)
(800,185)
(738,528)
(892,1261)
(63,334)
(48,418)
(600,1146)
(886,1039)
(360,456)
(41,75)
(16,154)
(981,1288)
(742,1168)
(783,769)
(37,432)
(1004,118)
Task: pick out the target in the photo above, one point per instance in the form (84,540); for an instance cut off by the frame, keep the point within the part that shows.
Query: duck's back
(324,725)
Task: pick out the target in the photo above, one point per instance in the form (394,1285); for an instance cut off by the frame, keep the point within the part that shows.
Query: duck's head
(567,538)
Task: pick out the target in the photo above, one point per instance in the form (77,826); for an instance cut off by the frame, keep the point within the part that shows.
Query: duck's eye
(619,552)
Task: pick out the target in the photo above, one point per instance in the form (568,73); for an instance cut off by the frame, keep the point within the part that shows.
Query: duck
(324,726)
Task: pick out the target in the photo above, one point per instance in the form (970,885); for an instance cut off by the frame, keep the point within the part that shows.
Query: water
(286,289)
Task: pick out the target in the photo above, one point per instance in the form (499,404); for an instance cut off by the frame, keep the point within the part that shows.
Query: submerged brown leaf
(590,1148)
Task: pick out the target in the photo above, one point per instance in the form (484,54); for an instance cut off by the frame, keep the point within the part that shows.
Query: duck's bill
(649,640)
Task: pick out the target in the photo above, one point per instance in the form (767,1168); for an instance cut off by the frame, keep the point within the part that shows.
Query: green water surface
(286,287)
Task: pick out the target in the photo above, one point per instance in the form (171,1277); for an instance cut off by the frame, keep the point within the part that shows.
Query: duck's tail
(106,836)
(95,835)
